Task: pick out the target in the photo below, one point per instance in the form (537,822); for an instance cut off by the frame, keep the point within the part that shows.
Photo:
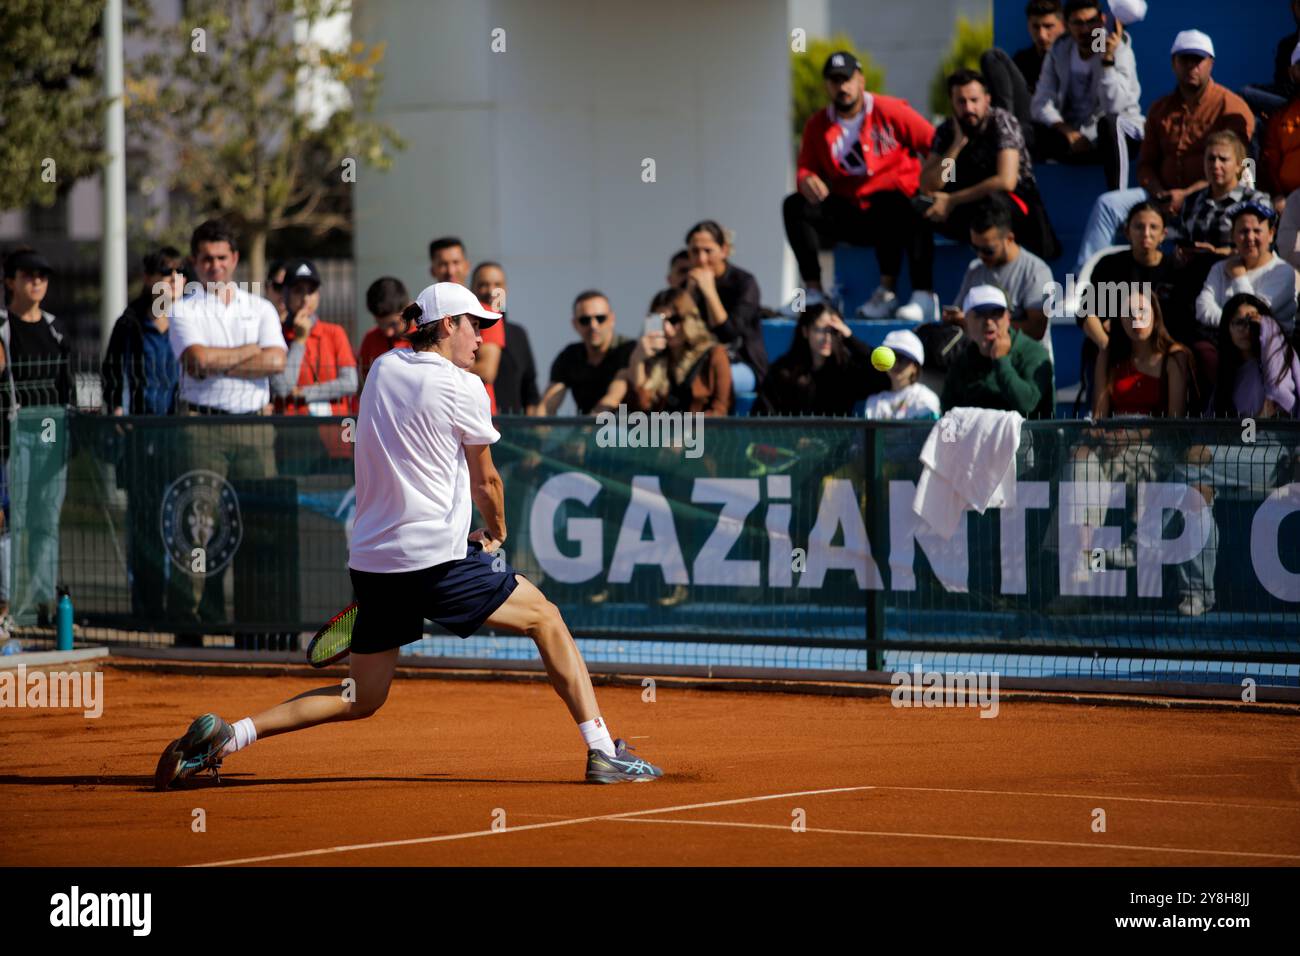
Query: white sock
(245,734)
(596,736)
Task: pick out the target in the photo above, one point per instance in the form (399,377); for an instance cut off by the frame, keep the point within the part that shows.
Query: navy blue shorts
(459,595)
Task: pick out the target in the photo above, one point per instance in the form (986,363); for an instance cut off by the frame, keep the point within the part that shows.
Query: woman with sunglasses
(682,368)
(1259,377)
(826,372)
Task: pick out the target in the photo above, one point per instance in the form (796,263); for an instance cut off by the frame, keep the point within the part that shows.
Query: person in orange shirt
(489,283)
(1280,156)
(320,371)
(386,298)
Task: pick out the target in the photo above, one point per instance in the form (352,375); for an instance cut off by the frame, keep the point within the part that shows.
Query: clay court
(422,782)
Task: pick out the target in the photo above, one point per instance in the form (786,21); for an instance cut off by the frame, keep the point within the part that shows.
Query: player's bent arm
(487,489)
(202,360)
(267,361)
(551,399)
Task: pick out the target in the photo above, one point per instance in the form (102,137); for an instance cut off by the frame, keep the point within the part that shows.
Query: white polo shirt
(418,411)
(201,318)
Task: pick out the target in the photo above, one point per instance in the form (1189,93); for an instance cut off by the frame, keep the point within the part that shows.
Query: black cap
(28,261)
(296,269)
(841,64)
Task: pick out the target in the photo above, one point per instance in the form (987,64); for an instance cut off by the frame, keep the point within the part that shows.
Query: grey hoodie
(1114,89)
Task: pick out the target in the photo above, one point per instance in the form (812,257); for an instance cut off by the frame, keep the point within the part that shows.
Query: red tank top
(1135,392)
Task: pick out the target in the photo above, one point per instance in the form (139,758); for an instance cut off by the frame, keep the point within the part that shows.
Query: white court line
(529,826)
(1087,796)
(974,839)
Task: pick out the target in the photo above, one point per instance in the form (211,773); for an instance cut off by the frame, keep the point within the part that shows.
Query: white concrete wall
(534,155)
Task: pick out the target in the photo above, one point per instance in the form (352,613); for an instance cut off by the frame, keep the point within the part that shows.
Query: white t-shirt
(203,319)
(914,401)
(847,150)
(418,410)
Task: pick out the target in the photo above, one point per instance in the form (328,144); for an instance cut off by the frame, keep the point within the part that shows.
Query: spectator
(275,287)
(1001,367)
(139,375)
(983,146)
(513,389)
(1259,373)
(37,353)
(587,367)
(320,372)
(857,171)
(1288,230)
(826,372)
(682,368)
(1141,373)
(1171,162)
(1087,98)
(1264,99)
(489,284)
(228,343)
(1024,278)
(385,299)
(1280,156)
(447,262)
(1252,268)
(1205,224)
(907,398)
(1115,276)
(679,269)
(1144,371)
(728,299)
(1258,377)
(1013,80)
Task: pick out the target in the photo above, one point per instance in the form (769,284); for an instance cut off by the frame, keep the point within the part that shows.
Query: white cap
(1129,11)
(1192,41)
(906,343)
(451,298)
(982,296)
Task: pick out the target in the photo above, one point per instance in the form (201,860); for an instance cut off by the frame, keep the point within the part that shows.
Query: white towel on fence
(975,468)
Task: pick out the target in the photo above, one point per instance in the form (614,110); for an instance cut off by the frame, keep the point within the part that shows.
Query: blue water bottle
(65,622)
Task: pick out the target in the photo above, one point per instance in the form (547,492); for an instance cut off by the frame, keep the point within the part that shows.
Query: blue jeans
(1105,222)
(743,378)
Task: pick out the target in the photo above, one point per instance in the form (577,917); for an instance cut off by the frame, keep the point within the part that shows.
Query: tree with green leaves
(970,41)
(51,98)
(808,88)
(238,89)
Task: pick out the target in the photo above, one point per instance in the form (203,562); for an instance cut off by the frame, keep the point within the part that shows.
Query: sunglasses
(1240,324)
(986,313)
(985,250)
(586,320)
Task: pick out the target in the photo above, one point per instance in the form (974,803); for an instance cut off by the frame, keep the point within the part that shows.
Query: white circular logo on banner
(201,510)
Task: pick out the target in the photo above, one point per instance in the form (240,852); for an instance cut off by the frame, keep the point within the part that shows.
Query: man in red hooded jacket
(859,166)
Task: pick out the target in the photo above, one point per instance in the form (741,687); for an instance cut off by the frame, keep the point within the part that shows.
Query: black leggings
(889,224)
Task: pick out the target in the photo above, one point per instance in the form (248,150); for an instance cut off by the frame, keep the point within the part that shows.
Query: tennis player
(422,454)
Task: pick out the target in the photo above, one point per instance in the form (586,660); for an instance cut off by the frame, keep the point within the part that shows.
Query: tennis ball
(882,357)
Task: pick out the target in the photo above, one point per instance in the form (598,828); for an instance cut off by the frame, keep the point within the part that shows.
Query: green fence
(777,543)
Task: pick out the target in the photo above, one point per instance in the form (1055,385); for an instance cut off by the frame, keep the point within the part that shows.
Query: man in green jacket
(1001,367)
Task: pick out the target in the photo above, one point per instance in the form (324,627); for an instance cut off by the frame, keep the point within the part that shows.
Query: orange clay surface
(423,782)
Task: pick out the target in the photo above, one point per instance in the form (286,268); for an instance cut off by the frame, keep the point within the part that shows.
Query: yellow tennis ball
(882,357)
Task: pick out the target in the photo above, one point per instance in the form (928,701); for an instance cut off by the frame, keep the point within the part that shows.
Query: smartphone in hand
(653,323)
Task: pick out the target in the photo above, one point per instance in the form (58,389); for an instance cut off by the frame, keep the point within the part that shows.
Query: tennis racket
(333,642)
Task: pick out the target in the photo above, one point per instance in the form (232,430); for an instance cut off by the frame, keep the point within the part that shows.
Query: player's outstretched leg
(210,739)
(528,612)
